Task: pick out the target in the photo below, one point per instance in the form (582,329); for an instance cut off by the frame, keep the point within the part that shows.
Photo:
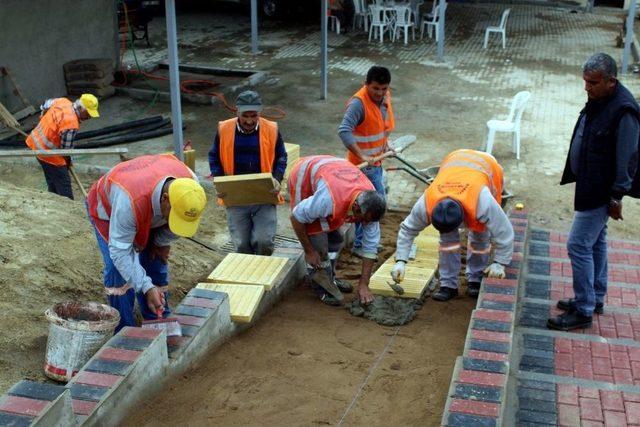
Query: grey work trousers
(328,245)
(58,179)
(478,249)
(253,228)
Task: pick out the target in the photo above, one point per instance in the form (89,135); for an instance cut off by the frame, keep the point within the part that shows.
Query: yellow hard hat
(90,103)
(187,201)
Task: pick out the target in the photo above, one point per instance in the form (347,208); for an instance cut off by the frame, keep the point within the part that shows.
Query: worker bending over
(467,190)
(244,145)
(137,209)
(327,192)
(365,128)
(59,122)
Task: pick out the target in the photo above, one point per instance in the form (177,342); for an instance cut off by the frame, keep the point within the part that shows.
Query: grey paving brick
(542,350)
(496,347)
(497,305)
(484,365)
(457,419)
(12,420)
(536,288)
(544,418)
(87,392)
(541,235)
(503,290)
(537,369)
(537,361)
(538,249)
(538,338)
(532,322)
(539,385)
(538,405)
(491,325)
(189,331)
(539,267)
(205,293)
(532,393)
(108,366)
(128,343)
(36,390)
(478,392)
(193,311)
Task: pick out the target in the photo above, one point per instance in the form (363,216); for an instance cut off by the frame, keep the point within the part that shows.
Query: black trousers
(58,179)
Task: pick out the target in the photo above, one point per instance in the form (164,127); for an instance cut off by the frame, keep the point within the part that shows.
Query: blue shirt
(246,155)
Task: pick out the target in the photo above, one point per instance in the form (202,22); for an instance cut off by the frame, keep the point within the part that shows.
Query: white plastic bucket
(76,331)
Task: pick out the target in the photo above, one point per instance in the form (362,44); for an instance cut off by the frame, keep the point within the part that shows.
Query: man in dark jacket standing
(602,161)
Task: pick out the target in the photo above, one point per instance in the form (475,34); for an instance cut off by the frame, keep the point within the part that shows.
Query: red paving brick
(499,297)
(141,333)
(567,393)
(633,412)
(474,407)
(487,355)
(591,409)
(500,316)
(119,354)
(490,335)
(97,379)
(615,419)
(612,400)
(82,407)
(22,405)
(481,378)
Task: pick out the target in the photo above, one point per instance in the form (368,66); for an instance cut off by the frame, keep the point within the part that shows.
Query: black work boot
(328,299)
(569,304)
(569,321)
(473,289)
(445,294)
(343,285)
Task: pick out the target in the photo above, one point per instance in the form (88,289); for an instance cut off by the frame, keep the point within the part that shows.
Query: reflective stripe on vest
(312,176)
(45,136)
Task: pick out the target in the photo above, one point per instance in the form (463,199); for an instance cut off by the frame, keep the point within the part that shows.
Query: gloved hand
(495,270)
(276,186)
(397,273)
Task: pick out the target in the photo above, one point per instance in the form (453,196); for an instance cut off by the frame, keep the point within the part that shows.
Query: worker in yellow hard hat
(137,209)
(59,122)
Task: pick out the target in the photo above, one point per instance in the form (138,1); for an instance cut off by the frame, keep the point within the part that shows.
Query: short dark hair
(371,202)
(379,74)
(603,63)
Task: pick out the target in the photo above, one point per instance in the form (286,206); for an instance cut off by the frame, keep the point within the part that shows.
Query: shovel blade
(399,144)
(322,278)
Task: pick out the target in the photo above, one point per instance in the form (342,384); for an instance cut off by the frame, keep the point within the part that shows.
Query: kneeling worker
(137,209)
(467,189)
(327,192)
(250,144)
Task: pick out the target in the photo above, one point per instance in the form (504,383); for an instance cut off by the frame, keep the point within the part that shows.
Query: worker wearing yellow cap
(137,209)
(59,122)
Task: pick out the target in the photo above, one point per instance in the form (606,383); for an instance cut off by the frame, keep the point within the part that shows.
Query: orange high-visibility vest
(462,176)
(60,117)
(138,178)
(371,134)
(268,137)
(344,181)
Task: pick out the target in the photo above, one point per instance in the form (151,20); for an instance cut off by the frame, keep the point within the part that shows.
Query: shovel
(322,278)
(396,147)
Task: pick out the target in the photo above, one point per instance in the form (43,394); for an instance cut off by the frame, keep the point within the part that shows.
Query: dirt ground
(304,362)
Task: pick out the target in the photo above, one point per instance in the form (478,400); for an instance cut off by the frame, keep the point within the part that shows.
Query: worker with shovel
(466,191)
(59,123)
(327,192)
(364,131)
(249,144)
(137,209)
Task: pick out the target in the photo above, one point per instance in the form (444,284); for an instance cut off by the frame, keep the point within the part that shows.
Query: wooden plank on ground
(248,269)
(243,299)
(69,152)
(249,189)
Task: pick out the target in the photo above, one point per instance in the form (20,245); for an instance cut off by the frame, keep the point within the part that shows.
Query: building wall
(38,36)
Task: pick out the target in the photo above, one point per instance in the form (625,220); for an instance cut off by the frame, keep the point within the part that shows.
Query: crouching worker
(467,191)
(327,192)
(137,209)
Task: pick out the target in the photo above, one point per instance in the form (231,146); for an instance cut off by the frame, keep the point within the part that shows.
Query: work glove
(276,186)
(397,273)
(495,270)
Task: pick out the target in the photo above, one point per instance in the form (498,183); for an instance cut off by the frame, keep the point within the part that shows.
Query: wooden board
(243,299)
(249,189)
(248,269)
(414,283)
(66,152)
(293,154)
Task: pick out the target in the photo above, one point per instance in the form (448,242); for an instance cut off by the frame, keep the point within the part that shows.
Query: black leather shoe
(343,285)
(473,289)
(329,300)
(445,294)
(569,321)
(569,303)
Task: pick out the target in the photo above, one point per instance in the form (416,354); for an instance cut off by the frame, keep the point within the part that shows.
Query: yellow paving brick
(414,283)
(243,299)
(248,269)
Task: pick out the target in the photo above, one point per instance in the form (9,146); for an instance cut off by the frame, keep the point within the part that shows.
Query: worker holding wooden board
(244,147)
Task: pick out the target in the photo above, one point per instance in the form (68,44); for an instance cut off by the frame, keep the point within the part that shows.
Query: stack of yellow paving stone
(419,271)
(293,155)
(245,278)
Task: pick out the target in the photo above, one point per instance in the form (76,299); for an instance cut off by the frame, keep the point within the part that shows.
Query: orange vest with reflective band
(268,136)
(138,178)
(371,134)
(344,182)
(59,118)
(462,176)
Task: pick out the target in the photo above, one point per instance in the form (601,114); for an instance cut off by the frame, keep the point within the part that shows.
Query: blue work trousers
(58,180)
(587,247)
(375,175)
(157,270)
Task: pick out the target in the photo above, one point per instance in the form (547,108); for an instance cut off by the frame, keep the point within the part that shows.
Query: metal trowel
(322,278)
(397,288)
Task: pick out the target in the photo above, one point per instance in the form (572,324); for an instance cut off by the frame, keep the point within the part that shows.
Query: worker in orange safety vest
(57,129)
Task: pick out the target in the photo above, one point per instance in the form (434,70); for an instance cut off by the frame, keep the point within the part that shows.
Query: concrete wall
(38,36)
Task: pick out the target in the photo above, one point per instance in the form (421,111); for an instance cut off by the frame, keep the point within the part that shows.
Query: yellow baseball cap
(90,103)
(187,201)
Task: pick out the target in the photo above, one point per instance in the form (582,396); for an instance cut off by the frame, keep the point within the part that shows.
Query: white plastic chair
(379,22)
(403,22)
(415,10)
(429,15)
(334,22)
(433,23)
(502,29)
(361,12)
(511,124)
